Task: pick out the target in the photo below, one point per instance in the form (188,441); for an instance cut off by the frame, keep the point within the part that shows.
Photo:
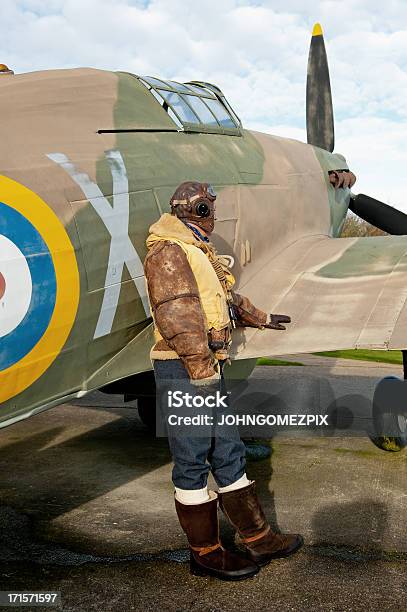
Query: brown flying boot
(254,534)
(208,557)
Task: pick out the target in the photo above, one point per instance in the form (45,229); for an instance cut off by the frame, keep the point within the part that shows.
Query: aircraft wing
(341,293)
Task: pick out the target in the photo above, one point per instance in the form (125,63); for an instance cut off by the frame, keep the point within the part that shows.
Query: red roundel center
(2,285)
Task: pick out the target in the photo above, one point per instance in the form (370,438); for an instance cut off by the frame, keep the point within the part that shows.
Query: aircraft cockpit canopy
(195,106)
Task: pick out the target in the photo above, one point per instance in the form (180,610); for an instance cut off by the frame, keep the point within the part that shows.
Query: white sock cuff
(243,481)
(192,496)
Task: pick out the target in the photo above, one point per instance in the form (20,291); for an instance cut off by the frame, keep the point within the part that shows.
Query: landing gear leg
(146,411)
(390,421)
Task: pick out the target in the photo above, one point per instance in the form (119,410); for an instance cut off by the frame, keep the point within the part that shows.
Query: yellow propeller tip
(317,31)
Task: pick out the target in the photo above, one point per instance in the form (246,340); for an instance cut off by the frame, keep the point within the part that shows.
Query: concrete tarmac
(86,507)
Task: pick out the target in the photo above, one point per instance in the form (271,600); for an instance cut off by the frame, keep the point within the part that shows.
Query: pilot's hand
(342,178)
(276,320)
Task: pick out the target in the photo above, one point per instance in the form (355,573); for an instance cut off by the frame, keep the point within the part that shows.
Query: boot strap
(204,550)
(257,536)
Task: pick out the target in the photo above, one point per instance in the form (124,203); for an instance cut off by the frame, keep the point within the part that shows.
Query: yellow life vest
(211,292)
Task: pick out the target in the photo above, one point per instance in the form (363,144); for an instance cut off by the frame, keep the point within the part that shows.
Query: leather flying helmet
(195,202)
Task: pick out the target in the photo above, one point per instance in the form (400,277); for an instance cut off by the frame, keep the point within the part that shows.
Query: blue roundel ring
(17,343)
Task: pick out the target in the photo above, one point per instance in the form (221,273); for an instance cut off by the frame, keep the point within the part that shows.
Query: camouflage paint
(276,212)
(381,255)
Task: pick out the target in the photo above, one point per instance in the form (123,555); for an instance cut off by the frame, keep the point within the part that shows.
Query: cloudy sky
(255,51)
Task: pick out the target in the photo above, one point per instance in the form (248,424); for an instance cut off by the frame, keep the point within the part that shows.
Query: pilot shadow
(347,415)
(357,528)
(345,552)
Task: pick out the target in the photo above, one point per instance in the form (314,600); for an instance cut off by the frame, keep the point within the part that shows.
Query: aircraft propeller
(320,133)
(320,115)
(379,214)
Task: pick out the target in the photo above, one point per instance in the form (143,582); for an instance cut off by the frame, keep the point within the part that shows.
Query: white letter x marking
(116,220)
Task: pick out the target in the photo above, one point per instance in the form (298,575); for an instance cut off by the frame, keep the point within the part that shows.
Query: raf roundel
(39,287)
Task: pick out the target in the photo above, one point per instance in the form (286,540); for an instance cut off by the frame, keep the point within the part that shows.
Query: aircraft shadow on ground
(52,480)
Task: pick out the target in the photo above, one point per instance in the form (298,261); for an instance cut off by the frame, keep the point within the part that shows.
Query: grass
(394,357)
(277,362)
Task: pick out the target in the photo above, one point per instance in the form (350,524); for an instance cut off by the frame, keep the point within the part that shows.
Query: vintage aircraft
(89,159)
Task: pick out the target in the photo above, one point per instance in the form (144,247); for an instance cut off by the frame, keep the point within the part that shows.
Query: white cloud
(255,51)
(375,149)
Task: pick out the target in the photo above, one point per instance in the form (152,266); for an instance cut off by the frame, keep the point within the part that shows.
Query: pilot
(194,307)
(5,69)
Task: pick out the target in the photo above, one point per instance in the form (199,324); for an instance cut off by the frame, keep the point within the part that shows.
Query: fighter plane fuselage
(89,160)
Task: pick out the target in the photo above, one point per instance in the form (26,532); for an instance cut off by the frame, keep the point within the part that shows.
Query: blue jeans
(193,457)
